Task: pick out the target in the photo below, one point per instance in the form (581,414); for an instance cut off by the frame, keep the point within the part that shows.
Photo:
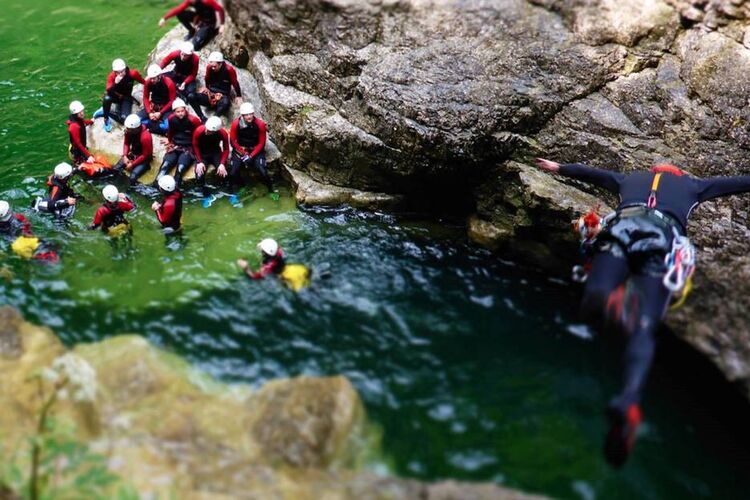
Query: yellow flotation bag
(119,230)
(25,246)
(296,276)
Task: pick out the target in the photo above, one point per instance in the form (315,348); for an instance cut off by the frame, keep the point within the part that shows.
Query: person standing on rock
(211,147)
(220,79)
(203,19)
(159,93)
(169,211)
(182,125)
(638,260)
(119,92)
(185,71)
(137,149)
(77,124)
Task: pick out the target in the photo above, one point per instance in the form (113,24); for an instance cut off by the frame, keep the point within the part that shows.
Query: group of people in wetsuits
(191,139)
(631,258)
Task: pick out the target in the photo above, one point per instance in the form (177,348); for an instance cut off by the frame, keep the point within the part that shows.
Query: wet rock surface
(425,98)
(171,431)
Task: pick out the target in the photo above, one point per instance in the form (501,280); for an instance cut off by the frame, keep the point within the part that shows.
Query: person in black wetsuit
(203,19)
(179,141)
(61,199)
(13,225)
(625,286)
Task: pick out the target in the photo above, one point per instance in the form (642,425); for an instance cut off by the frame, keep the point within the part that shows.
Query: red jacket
(147,146)
(200,135)
(170,213)
(171,97)
(175,55)
(74,129)
(134,74)
(234,136)
(270,265)
(106,209)
(210,76)
(184,5)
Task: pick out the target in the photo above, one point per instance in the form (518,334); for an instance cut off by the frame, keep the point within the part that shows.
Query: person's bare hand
(90,159)
(548,165)
(71,200)
(200,169)
(155,206)
(162,22)
(242,264)
(221,171)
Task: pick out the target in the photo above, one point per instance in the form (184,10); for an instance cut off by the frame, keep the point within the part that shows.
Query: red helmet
(666,168)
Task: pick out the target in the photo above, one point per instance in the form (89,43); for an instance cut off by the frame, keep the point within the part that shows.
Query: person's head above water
(5,211)
(110,193)
(167,184)
(666,168)
(268,247)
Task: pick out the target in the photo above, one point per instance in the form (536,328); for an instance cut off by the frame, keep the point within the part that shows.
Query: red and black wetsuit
(138,146)
(180,136)
(16,226)
(185,71)
(111,214)
(220,81)
(170,213)
(77,133)
(58,194)
(625,285)
(210,149)
(199,19)
(248,145)
(121,94)
(158,96)
(271,265)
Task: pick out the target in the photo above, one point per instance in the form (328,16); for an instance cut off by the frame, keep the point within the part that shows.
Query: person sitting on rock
(61,198)
(159,93)
(182,125)
(169,211)
(248,137)
(211,147)
(77,124)
(112,212)
(119,92)
(186,63)
(137,149)
(220,79)
(202,18)
(629,284)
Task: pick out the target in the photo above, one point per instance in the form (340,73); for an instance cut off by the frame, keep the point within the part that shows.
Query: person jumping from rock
(182,125)
(137,149)
(77,124)
(211,147)
(119,93)
(203,19)
(628,286)
(185,70)
(220,79)
(248,137)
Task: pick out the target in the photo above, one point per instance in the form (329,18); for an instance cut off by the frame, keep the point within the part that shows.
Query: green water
(470,365)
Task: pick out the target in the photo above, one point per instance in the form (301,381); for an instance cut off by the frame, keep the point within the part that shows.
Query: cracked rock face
(407,97)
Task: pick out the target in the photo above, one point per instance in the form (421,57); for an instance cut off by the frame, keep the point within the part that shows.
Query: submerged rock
(171,431)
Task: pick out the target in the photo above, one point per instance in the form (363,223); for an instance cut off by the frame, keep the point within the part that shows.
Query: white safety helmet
(118,65)
(268,247)
(63,170)
(133,121)
(153,71)
(167,183)
(247,108)
(216,57)
(5,213)
(75,107)
(213,124)
(187,48)
(178,103)
(110,193)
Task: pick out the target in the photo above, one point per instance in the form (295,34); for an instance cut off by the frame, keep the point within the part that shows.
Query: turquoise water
(473,367)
